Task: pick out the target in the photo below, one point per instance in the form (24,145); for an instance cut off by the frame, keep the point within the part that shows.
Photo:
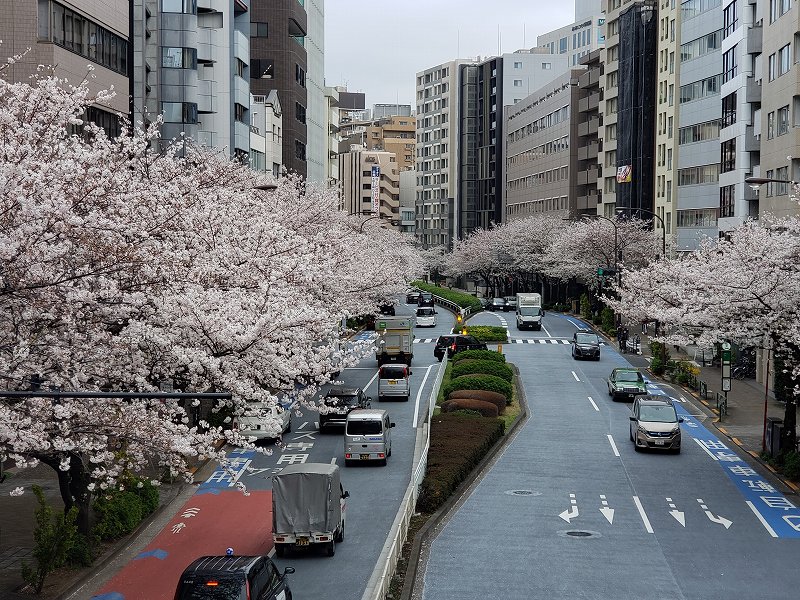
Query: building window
(778,8)
(730,19)
(562,46)
(547,66)
(771,125)
(239,112)
(300,151)
(703,45)
(728,156)
(179,112)
(729,110)
(729,66)
(518,83)
(781,189)
(179,58)
(702,217)
(783,120)
(772,67)
(727,201)
(700,89)
(262,68)
(299,112)
(692,8)
(784,60)
(188,7)
(698,175)
(300,75)
(517,65)
(259,29)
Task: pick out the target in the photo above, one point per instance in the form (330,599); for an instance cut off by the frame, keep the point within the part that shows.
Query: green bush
(479,355)
(485,333)
(478,382)
(791,465)
(458,443)
(461,299)
(119,512)
(485,409)
(661,358)
(586,306)
(607,319)
(483,367)
(497,399)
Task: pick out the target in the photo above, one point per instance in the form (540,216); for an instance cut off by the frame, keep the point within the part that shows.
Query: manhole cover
(523,493)
(578,533)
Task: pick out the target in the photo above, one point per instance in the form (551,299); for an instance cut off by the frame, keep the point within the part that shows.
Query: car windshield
(529,311)
(586,338)
(363,427)
(658,413)
(392,372)
(444,340)
(630,376)
(214,588)
(498,301)
(510,299)
(424,312)
(341,400)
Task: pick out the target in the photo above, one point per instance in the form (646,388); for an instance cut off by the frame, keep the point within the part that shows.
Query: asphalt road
(219,516)
(569,510)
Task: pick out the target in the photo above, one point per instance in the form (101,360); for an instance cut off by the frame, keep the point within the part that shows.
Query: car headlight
(641,429)
(676,429)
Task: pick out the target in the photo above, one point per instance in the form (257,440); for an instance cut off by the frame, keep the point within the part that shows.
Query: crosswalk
(515,341)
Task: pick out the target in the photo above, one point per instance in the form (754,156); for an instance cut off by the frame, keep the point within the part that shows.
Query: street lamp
(755,182)
(650,212)
(393,222)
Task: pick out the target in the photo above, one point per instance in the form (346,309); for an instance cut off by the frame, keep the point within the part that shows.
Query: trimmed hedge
(483,367)
(497,399)
(485,409)
(458,443)
(478,382)
(120,511)
(461,299)
(485,333)
(479,355)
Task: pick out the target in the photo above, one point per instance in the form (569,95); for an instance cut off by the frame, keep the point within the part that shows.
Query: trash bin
(774,430)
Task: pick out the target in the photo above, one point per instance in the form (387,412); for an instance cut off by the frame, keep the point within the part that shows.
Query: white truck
(529,311)
(308,507)
(395,341)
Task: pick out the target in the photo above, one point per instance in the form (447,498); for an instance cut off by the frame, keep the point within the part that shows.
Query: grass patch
(459,298)
(485,333)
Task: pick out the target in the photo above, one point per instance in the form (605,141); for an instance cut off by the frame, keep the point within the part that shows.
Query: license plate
(364,456)
(660,442)
(303,541)
(393,382)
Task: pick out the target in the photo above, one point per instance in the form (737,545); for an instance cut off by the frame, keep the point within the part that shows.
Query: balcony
(753,93)
(589,103)
(751,142)
(588,128)
(588,202)
(755,40)
(588,152)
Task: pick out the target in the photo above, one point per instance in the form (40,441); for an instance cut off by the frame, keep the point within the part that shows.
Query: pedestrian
(644,327)
(623,341)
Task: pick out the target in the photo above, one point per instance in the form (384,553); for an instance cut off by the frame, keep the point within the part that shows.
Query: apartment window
(518,83)
(772,67)
(259,29)
(783,120)
(727,201)
(611,132)
(261,68)
(299,112)
(700,89)
(702,45)
(239,112)
(300,75)
(517,65)
(730,19)
(671,94)
(692,8)
(300,151)
(188,7)
(562,46)
(611,79)
(771,125)
(671,62)
(729,66)
(778,8)
(781,189)
(728,156)
(669,196)
(698,175)
(547,66)
(784,60)
(240,67)
(179,112)
(611,106)
(729,110)
(702,217)
(179,58)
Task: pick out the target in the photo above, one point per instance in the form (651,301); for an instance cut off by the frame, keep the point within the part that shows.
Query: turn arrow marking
(572,511)
(608,513)
(679,516)
(714,518)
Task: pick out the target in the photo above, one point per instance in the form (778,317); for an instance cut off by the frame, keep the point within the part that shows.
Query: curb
(410,583)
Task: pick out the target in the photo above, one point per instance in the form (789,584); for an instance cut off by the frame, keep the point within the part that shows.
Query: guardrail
(381,579)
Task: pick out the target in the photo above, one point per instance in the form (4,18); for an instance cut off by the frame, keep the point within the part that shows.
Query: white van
(426,316)
(394,382)
(367,436)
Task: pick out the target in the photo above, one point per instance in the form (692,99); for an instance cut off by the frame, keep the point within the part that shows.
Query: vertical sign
(726,367)
(376,180)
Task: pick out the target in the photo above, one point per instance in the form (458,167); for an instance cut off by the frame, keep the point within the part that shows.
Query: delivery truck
(395,341)
(529,311)
(308,507)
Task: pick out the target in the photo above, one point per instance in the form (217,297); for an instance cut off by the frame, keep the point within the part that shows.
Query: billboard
(376,189)
(624,173)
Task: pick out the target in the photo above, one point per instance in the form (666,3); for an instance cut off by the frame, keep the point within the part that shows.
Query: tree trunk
(73,484)
(788,360)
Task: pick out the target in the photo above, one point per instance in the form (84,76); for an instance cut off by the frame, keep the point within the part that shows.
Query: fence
(381,579)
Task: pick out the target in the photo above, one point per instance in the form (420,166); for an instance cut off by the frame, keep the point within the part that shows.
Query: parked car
(341,400)
(464,342)
(412,296)
(260,418)
(442,344)
(367,437)
(655,424)
(394,382)
(496,304)
(224,577)
(426,316)
(626,383)
(510,303)
(585,344)
(425,299)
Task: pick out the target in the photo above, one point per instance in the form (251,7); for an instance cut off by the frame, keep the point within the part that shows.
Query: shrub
(485,409)
(458,443)
(791,465)
(485,333)
(479,355)
(483,367)
(607,319)
(497,399)
(660,360)
(586,306)
(478,382)
(120,511)
(461,299)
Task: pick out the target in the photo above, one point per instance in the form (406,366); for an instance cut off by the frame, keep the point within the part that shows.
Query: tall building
(577,39)
(589,169)
(333,137)
(69,36)
(541,150)
(361,184)
(317,105)
(266,134)
(279,61)
(392,134)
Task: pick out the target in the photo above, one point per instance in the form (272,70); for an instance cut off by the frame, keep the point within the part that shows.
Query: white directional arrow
(572,511)
(607,511)
(714,518)
(676,514)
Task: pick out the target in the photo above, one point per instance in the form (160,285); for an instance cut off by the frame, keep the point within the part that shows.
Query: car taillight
(453,347)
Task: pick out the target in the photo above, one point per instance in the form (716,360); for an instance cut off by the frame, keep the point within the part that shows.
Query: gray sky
(378,47)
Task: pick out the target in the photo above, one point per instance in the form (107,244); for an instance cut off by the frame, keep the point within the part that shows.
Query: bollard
(499,348)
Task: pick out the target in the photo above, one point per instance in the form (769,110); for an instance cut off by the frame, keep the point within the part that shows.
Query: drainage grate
(579,533)
(523,493)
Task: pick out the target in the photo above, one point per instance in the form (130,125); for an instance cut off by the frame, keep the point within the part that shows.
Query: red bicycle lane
(207,524)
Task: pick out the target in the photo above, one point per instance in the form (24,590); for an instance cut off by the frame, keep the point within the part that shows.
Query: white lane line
(613,445)
(643,514)
(707,451)
(575,376)
(369,383)
(303,425)
(419,394)
(565,342)
(762,519)
(545,330)
(593,404)
(333,460)
(316,424)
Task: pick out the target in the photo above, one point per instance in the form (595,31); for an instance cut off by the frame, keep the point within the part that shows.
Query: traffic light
(606,271)
(459,318)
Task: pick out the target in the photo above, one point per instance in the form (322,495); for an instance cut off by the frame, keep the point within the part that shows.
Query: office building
(577,39)
(317,105)
(392,134)
(333,137)
(266,134)
(589,170)
(379,111)
(361,184)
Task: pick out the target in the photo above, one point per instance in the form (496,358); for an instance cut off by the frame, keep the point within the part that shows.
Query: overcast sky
(378,47)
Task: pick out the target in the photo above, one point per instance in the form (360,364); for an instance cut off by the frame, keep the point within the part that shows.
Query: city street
(569,510)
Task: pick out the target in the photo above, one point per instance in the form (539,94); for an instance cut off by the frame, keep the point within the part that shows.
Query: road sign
(726,346)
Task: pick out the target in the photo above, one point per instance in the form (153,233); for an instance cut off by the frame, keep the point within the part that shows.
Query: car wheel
(330,548)
(676,450)
(630,434)
(597,358)
(339,537)
(383,462)
(280,550)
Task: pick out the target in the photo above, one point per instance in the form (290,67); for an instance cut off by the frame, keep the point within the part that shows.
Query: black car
(464,342)
(341,400)
(386,309)
(233,577)
(585,344)
(440,349)
(412,297)
(496,304)
(425,299)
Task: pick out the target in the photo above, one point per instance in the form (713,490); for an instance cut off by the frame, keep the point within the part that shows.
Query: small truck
(395,341)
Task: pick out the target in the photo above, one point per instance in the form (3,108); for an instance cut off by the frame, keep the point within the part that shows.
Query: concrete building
(266,134)
(408,184)
(279,61)
(317,105)
(358,183)
(333,137)
(577,39)
(70,36)
(541,153)
(392,134)
(589,170)
(380,111)
(352,106)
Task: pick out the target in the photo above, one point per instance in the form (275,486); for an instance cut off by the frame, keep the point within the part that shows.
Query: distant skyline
(379,51)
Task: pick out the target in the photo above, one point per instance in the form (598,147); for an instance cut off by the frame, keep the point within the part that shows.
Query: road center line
(545,330)
(369,383)
(761,518)
(707,451)
(593,404)
(419,395)
(643,514)
(613,445)
(575,375)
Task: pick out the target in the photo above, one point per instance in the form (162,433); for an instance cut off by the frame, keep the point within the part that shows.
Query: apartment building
(70,36)
(392,134)
(317,105)
(541,153)
(577,39)
(266,134)
(589,170)
(369,178)
(279,61)
(333,137)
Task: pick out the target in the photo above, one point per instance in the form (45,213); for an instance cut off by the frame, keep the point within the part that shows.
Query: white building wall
(577,39)
(317,109)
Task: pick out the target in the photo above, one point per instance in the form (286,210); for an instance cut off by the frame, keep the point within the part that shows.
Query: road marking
(762,519)
(607,511)
(707,451)
(333,460)
(593,404)
(369,383)
(419,394)
(572,511)
(676,514)
(645,520)
(613,445)
(726,523)
(302,425)
(575,375)
(545,330)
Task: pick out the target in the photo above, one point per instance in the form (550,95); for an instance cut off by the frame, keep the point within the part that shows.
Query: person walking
(623,341)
